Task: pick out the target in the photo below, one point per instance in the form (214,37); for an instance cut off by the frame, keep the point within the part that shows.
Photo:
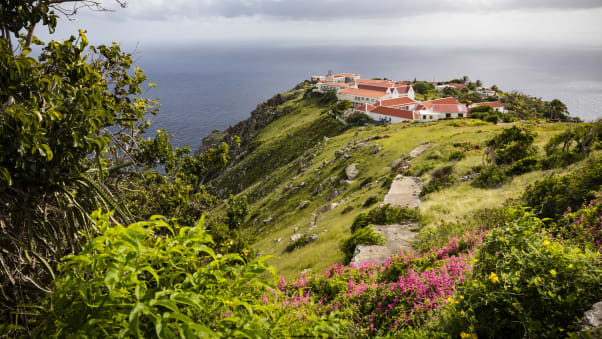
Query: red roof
(449,100)
(380,88)
(394,112)
(492,104)
(363,92)
(458,85)
(405,101)
(449,108)
(387,83)
(345,75)
(403,89)
(365,108)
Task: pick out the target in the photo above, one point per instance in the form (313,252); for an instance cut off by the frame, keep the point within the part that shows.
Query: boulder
(351,171)
(312,238)
(296,237)
(303,204)
(268,220)
(592,318)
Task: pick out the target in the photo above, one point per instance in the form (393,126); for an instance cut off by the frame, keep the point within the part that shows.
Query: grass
(274,180)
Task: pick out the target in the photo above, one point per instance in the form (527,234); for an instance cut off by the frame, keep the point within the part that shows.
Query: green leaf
(46,151)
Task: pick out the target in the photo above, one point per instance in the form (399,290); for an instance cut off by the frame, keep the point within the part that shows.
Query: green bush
(362,236)
(525,284)
(440,178)
(358,119)
(525,165)
(551,196)
(371,201)
(152,280)
(385,215)
(490,177)
(302,241)
(456,155)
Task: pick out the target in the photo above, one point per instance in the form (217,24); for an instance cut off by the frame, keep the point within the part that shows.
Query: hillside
(296,184)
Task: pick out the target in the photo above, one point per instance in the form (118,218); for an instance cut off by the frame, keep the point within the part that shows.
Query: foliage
(490,177)
(132,281)
(440,178)
(526,284)
(572,145)
(373,199)
(385,215)
(237,211)
(524,165)
(529,108)
(302,241)
(553,195)
(422,87)
(358,119)
(362,236)
(511,145)
(467,146)
(583,227)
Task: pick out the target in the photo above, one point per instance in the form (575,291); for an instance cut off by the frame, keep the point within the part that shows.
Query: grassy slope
(296,136)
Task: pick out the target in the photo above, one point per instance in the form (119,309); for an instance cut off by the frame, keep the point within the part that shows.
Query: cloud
(315,10)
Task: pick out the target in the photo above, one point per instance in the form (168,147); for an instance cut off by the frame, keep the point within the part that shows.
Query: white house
(362,96)
(441,109)
(389,114)
(324,87)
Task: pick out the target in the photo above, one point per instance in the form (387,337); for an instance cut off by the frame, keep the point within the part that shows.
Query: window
(448,115)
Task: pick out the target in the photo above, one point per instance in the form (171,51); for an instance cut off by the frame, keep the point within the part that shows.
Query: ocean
(208,87)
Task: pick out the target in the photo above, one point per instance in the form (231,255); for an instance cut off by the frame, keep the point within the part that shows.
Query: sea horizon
(206,87)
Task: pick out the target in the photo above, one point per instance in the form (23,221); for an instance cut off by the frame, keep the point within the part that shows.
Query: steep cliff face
(247,129)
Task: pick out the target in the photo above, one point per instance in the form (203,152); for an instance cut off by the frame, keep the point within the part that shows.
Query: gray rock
(333,194)
(351,171)
(277,240)
(312,238)
(326,138)
(592,318)
(268,220)
(338,153)
(303,204)
(361,129)
(306,271)
(303,184)
(296,229)
(376,149)
(346,156)
(296,237)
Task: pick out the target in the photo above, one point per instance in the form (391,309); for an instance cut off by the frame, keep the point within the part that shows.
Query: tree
(422,87)
(238,209)
(511,145)
(495,88)
(465,79)
(558,109)
(479,83)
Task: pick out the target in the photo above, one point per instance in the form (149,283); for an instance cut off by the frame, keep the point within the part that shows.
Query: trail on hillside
(404,192)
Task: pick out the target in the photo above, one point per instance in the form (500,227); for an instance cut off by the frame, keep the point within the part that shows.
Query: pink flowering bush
(383,299)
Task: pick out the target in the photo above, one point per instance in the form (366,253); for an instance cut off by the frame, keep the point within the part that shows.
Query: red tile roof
(339,84)
(363,92)
(365,108)
(449,100)
(374,87)
(403,89)
(457,85)
(493,104)
(405,101)
(449,108)
(375,82)
(393,112)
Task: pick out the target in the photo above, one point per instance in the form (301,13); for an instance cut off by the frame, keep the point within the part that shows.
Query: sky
(533,23)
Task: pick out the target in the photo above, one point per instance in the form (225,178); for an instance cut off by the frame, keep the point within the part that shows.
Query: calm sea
(203,88)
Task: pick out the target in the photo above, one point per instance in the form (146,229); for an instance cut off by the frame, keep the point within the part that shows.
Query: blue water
(203,88)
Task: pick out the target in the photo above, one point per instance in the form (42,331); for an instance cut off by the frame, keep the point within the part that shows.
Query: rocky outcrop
(351,171)
(592,321)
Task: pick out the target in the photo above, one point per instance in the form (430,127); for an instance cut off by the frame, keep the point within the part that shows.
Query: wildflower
(570,265)
(493,278)
(464,335)
(553,272)
(546,242)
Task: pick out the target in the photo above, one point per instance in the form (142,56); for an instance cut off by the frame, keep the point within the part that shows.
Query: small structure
(496,105)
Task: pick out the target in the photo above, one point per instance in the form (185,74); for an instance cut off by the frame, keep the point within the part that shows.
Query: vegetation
(385,215)
(361,236)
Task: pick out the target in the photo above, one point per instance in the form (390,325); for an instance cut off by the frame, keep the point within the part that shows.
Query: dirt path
(404,192)
(418,150)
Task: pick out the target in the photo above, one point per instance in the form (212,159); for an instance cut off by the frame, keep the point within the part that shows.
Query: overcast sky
(554,23)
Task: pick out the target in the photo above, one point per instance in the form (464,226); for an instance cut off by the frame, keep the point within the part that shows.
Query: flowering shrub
(391,298)
(466,146)
(527,284)
(583,227)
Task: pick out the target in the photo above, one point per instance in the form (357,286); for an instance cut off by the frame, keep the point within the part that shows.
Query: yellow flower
(546,242)
(461,297)
(451,300)
(464,335)
(553,272)
(493,278)
(570,265)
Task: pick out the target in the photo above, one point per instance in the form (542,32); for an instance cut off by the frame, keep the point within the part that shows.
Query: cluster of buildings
(391,101)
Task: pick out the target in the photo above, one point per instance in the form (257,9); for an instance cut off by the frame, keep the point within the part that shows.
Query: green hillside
(294,161)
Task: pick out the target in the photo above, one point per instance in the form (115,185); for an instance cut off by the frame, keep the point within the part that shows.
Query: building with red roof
(496,105)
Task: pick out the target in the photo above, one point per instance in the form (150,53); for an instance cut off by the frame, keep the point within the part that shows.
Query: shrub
(552,196)
(302,241)
(362,236)
(137,282)
(371,201)
(385,215)
(490,177)
(525,165)
(583,227)
(525,284)
(456,155)
(347,209)
(358,119)
(440,178)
